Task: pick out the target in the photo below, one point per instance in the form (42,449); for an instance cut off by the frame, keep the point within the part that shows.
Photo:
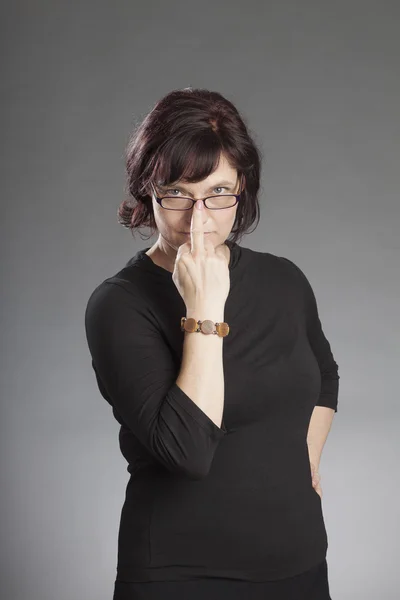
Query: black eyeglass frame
(237,196)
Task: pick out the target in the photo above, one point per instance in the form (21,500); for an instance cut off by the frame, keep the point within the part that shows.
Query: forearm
(319,427)
(201,375)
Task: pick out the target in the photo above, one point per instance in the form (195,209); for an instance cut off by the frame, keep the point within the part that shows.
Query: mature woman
(214,360)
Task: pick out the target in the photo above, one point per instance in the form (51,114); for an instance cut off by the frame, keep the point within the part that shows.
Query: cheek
(167,220)
(229,219)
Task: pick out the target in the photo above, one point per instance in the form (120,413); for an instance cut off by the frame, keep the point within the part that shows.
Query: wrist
(201,313)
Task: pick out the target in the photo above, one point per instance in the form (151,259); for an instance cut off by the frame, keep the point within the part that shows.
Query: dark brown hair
(182,138)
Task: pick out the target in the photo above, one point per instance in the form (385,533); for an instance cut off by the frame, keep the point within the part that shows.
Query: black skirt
(310,585)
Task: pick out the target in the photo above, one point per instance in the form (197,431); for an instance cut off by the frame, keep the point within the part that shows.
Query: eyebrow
(218,184)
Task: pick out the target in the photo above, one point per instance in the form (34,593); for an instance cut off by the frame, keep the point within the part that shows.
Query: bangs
(180,142)
(188,159)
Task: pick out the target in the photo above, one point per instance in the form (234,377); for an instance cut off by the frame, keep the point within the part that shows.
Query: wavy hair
(182,138)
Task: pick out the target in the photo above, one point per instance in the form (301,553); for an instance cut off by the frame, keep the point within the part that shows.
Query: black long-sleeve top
(204,501)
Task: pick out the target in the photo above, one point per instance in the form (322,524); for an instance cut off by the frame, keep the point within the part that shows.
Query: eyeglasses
(212,202)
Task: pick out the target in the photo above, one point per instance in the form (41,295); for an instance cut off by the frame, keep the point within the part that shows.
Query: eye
(170,191)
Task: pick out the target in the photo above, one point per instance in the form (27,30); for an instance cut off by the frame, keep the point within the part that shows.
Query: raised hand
(201,272)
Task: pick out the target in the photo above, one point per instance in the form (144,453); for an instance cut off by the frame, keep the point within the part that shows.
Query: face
(172,224)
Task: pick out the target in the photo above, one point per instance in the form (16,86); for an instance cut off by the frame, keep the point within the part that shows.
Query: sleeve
(137,370)
(320,346)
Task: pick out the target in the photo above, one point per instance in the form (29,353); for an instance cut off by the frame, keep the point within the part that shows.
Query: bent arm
(138,377)
(321,348)
(326,406)
(327,402)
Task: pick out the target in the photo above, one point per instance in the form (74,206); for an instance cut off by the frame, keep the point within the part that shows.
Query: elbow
(193,466)
(195,470)
(184,450)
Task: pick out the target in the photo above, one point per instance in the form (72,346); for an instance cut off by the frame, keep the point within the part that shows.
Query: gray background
(318,84)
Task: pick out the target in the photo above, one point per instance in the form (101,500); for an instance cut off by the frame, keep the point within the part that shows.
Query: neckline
(144,261)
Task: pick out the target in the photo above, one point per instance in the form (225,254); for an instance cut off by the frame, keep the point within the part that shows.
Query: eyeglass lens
(221,201)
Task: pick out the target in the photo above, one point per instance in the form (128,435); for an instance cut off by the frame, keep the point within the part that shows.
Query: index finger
(197,229)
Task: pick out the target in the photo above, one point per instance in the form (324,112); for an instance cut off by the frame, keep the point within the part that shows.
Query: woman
(214,361)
